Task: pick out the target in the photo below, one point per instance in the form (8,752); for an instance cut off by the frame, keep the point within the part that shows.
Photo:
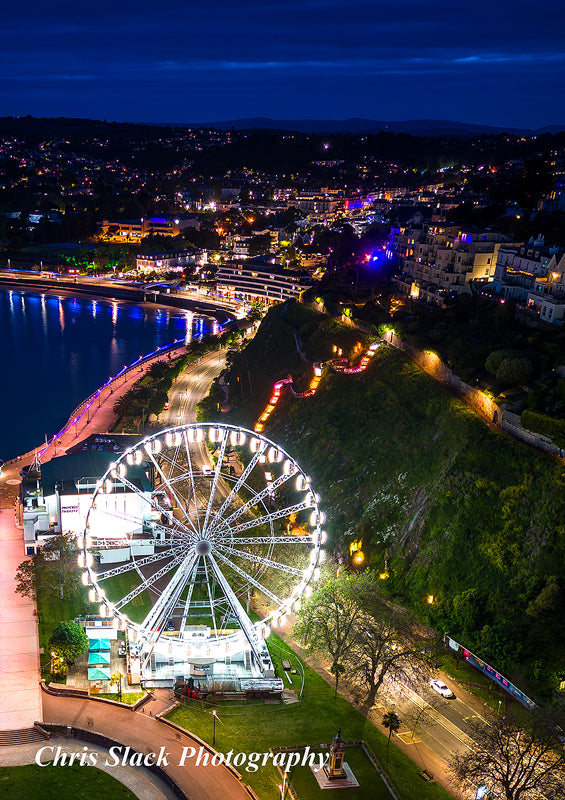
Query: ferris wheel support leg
(167,601)
(244,622)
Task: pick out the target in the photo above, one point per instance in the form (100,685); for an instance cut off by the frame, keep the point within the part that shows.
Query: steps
(22,736)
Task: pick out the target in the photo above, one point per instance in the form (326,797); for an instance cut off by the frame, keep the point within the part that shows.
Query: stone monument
(334,768)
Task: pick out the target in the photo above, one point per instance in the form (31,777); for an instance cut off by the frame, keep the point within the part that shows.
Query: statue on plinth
(334,767)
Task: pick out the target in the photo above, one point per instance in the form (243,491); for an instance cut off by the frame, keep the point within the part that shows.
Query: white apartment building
(438,260)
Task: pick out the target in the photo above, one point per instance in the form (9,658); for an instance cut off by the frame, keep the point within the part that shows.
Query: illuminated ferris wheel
(195,526)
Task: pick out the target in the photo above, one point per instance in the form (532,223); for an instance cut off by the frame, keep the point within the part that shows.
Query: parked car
(441,688)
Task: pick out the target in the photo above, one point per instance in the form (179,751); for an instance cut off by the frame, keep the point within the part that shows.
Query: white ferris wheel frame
(205,538)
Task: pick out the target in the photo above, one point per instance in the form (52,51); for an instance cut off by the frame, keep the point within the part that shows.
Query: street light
(215,716)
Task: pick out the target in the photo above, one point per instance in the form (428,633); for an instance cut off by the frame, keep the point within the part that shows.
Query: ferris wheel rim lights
(172,437)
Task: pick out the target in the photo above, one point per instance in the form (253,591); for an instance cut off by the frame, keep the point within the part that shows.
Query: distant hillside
(455,509)
(38,127)
(418,127)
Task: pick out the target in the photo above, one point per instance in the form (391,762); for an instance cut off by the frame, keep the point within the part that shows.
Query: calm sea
(55,351)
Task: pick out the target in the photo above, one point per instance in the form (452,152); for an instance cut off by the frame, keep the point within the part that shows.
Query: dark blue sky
(497,62)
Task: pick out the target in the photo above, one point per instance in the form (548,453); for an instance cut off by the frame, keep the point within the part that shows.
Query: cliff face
(451,507)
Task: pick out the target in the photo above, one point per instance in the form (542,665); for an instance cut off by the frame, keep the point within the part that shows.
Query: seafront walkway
(20,701)
(143,732)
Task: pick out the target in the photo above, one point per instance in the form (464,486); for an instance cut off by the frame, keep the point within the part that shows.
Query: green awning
(99,674)
(99,644)
(99,658)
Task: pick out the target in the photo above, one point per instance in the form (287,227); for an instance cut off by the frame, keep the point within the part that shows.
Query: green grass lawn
(258,727)
(80,783)
(371,785)
(127,697)
(121,585)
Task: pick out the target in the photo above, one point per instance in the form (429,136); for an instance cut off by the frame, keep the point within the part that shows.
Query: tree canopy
(68,641)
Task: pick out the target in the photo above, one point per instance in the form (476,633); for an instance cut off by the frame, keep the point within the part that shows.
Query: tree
(116,680)
(390,721)
(328,620)
(25,577)
(384,645)
(514,370)
(56,566)
(125,406)
(259,245)
(68,641)
(53,569)
(517,757)
(157,370)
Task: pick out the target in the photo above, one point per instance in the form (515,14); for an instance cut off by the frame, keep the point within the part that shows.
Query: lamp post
(214,715)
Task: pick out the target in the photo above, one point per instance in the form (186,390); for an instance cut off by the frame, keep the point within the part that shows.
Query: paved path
(143,783)
(20,704)
(147,734)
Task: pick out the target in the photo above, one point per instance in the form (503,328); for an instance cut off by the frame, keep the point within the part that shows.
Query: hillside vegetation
(452,508)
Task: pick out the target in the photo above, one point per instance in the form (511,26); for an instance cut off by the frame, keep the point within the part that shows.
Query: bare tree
(517,757)
(385,643)
(328,621)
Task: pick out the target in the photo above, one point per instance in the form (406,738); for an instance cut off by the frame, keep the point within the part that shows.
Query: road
(443,724)
(190,388)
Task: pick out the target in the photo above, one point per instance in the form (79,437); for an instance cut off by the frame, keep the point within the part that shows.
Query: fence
(432,364)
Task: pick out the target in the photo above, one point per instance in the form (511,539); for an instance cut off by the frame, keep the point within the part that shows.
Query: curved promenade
(147,734)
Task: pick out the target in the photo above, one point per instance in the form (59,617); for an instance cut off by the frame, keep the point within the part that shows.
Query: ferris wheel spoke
(169,486)
(192,486)
(265,562)
(186,610)
(148,582)
(308,539)
(134,563)
(210,596)
(262,520)
(217,472)
(239,483)
(266,492)
(155,505)
(250,579)
(172,533)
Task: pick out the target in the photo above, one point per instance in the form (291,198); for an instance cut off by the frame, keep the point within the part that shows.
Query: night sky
(497,62)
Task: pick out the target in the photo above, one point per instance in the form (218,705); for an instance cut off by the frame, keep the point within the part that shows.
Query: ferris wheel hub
(203,547)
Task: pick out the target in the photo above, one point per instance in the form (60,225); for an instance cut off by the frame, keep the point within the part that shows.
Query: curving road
(190,388)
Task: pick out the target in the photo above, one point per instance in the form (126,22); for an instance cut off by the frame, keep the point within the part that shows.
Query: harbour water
(55,351)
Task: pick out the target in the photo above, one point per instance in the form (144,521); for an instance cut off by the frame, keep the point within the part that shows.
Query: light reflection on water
(55,351)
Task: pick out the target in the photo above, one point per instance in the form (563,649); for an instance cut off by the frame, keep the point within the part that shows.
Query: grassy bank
(21,783)
(455,510)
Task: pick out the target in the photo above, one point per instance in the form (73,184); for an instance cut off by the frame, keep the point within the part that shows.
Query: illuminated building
(263,282)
